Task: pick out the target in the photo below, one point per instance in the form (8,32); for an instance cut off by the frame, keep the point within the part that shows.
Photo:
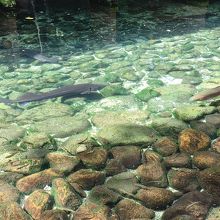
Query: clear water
(127,44)
(173,49)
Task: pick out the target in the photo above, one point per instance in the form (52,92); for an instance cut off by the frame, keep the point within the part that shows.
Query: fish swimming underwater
(208,94)
(38,56)
(65,92)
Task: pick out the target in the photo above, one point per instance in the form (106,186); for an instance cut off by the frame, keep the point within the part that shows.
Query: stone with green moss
(146,94)
(191,112)
(112,90)
(64,195)
(126,135)
(7,3)
(168,126)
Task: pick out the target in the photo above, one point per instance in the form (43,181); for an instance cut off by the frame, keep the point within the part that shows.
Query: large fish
(208,94)
(38,56)
(64,92)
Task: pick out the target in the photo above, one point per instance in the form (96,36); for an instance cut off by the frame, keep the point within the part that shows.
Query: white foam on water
(169,80)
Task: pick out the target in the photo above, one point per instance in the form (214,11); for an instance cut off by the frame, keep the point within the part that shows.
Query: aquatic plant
(7,3)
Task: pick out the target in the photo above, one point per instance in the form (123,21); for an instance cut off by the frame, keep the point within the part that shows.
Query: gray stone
(126,135)
(62,126)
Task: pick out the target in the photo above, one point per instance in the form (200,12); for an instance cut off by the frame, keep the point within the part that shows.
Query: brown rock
(209,180)
(165,146)
(62,162)
(129,209)
(205,159)
(95,157)
(130,156)
(178,160)
(114,167)
(87,178)
(193,204)
(124,183)
(191,140)
(92,211)
(10,177)
(151,156)
(152,174)
(155,198)
(213,119)
(8,193)
(54,214)
(64,195)
(37,203)
(207,128)
(103,195)
(216,145)
(12,211)
(183,179)
(37,180)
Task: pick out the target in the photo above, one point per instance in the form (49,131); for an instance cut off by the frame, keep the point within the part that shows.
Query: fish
(207,94)
(39,56)
(70,91)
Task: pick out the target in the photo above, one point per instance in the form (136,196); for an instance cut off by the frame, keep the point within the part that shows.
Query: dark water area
(82,25)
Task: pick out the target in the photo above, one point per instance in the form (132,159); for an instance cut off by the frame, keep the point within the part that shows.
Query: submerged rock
(65,196)
(94,158)
(206,159)
(170,127)
(126,135)
(12,210)
(147,94)
(10,133)
(87,178)
(178,160)
(209,179)
(213,119)
(191,141)
(21,162)
(192,112)
(37,203)
(8,193)
(193,204)
(113,167)
(62,127)
(10,177)
(112,90)
(78,143)
(62,162)
(183,179)
(43,112)
(103,195)
(155,198)
(37,180)
(129,156)
(205,127)
(165,146)
(91,210)
(38,140)
(129,209)
(152,174)
(110,118)
(54,214)
(124,183)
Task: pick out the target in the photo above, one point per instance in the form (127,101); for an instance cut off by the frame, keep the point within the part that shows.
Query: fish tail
(5,101)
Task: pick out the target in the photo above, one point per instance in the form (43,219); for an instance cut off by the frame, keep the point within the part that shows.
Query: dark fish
(64,92)
(38,56)
(208,94)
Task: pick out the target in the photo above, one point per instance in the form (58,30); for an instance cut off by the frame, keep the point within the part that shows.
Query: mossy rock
(191,112)
(146,94)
